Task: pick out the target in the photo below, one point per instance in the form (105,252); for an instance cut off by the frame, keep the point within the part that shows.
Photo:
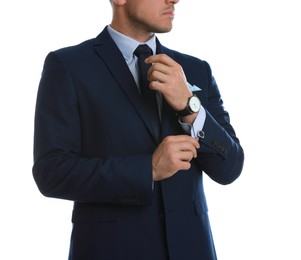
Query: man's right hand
(172,155)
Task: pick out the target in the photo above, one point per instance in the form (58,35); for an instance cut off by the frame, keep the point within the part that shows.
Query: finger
(189,148)
(189,139)
(187,156)
(160,67)
(182,147)
(195,142)
(182,138)
(159,72)
(158,76)
(184,165)
(157,85)
(160,58)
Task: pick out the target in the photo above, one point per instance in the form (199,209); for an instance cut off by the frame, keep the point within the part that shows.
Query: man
(137,190)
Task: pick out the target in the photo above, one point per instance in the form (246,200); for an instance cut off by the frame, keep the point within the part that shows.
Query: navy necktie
(142,52)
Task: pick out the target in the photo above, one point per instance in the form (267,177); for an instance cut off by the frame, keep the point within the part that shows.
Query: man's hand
(172,155)
(168,77)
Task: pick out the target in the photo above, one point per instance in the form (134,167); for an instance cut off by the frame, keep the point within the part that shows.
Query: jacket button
(214,143)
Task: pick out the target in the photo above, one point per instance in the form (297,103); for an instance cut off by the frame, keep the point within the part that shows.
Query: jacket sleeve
(60,170)
(221,155)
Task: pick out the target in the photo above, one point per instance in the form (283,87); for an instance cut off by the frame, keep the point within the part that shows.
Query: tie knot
(143,49)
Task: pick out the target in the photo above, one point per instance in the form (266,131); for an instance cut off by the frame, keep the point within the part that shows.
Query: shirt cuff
(197,125)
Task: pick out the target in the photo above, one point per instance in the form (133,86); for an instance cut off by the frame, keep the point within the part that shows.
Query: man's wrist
(193,106)
(189,119)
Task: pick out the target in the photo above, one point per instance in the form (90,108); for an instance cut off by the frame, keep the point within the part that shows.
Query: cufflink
(201,134)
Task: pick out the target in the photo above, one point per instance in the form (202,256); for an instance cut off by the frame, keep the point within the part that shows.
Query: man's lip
(169,12)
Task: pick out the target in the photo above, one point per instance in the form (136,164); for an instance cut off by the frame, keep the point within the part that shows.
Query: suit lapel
(108,51)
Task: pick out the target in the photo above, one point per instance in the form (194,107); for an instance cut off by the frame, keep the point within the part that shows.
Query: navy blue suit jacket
(93,145)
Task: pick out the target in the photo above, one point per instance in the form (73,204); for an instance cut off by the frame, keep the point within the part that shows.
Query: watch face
(194,104)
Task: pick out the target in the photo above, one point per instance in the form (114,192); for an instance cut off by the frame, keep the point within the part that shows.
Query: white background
(253,48)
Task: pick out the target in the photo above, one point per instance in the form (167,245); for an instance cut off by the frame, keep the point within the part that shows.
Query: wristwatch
(193,106)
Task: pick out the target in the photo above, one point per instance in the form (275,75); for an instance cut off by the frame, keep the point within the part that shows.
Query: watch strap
(186,111)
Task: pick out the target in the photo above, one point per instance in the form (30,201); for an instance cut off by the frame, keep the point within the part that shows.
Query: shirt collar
(127,45)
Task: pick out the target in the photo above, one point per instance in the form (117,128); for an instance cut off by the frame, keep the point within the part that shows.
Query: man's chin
(163,30)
